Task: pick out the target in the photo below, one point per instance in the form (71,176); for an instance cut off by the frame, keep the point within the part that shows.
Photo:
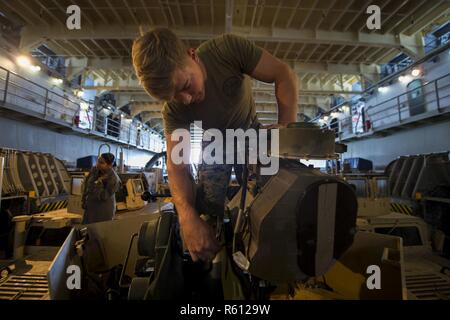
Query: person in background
(138,137)
(99,195)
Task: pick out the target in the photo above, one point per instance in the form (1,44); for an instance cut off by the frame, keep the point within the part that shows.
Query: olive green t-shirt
(228,102)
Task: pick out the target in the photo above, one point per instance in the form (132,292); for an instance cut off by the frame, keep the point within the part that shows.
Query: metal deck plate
(24,287)
(427,286)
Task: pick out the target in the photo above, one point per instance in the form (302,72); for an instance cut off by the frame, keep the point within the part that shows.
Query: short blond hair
(156,55)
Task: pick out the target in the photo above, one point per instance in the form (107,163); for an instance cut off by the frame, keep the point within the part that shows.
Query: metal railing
(434,43)
(403,108)
(429,56)
(23,93)
(32,98)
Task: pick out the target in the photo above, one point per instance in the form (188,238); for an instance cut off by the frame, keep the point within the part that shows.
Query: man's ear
(192,54)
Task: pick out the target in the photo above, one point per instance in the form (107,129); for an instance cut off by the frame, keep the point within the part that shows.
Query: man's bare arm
(270,69)
(180,184)
(198,236)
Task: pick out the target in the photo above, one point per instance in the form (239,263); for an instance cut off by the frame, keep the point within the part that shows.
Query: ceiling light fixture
(23,61)
(415,72)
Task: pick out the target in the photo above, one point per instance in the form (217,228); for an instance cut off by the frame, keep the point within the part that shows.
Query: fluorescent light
(335,114)
(403,79)
(84,106)
(57,81)
(415,72)
(23,61)
(382,89)
(35,68)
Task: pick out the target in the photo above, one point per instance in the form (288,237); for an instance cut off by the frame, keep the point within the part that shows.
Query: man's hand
(100,180)
(200,239)
(198,236)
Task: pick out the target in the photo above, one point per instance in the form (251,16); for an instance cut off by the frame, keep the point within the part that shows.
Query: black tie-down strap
(166,282)
(326,225)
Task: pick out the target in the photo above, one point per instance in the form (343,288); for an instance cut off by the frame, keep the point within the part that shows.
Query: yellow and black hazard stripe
(401,208)
(56,205)
(167,199)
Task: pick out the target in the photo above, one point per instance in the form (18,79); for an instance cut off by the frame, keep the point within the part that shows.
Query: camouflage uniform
(214,180)
(212,188)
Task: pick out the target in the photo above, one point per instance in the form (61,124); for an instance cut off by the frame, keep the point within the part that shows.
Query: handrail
(61,107)
(431,54)
(390,99)
(384,114)
(41,86)
(409,91)
(408,58)
(425,58)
